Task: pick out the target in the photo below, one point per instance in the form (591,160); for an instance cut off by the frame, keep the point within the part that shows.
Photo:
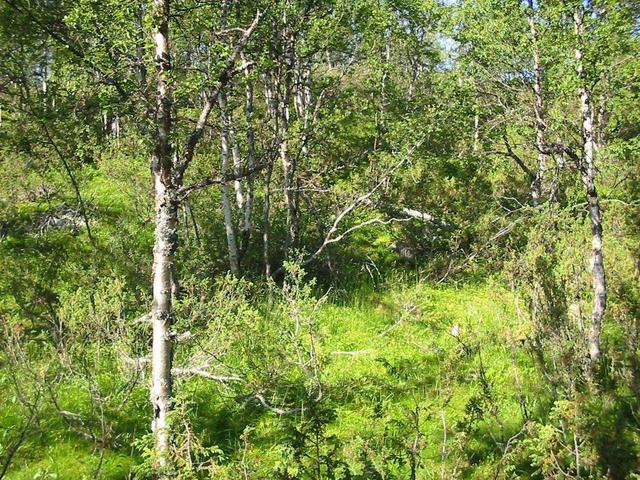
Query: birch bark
(588,172)
(538,107)
(227,212)
(166,239)
(272,108)
(288,161)
(246,226)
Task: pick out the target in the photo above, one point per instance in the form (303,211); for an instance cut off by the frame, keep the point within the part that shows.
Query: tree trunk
(226,201)
(302,100)
(538,107)
(588,171)
(237,162)
(272,108)
(288,168)
(164,248)
(166,239)
(266,230)
(288,162)
(246,226)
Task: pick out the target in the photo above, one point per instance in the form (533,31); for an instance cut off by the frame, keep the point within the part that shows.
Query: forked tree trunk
(588,171)
(164,246)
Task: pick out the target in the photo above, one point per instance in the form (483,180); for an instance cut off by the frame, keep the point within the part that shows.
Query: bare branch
(280,411)
(220,179)
(205,374)
(146,318)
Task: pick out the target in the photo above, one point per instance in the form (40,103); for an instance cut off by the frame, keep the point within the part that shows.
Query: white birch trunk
(539,124)
(164,247)
(226,200)
(288,163)
(303,102)
(237,163)
(247,207)
(272,108)
(287,166)
(588,171)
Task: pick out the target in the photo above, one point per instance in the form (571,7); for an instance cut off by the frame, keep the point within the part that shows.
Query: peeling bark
(588,171)
(166,240)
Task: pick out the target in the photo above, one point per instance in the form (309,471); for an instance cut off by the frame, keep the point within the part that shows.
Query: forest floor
(425,370)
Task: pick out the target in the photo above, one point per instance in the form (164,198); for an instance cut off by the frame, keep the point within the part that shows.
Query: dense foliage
(386,223)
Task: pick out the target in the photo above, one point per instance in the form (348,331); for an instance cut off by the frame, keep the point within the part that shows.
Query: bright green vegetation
(441,379)
(360,239)
(391,371)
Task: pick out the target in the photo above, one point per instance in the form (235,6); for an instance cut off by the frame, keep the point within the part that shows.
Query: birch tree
(588,172)
(166,240)
(168,171)
(538,108)
(226,139)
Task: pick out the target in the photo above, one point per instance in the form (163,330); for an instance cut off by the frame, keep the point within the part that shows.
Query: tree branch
(220,179)
(223,79)
(517,159)
(205,374)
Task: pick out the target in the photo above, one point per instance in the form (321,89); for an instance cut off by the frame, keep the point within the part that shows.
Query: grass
(417,348)
(67,459)
(409,369)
